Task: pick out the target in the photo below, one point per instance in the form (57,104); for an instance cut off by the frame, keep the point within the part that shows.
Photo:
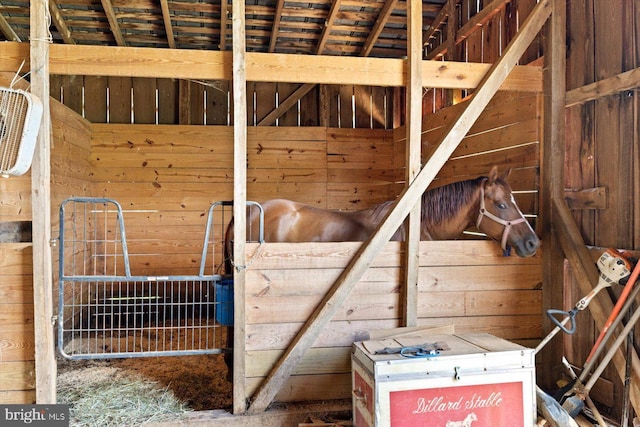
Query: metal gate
(105,311)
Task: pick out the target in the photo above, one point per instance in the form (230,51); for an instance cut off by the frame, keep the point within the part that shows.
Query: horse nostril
(532,244)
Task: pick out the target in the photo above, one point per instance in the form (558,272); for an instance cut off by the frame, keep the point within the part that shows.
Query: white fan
(20,116)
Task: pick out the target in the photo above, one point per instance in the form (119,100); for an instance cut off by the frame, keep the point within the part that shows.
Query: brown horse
(447,211)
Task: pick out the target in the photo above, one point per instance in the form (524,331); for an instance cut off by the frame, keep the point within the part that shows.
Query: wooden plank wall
(169,101)
(507,134)
(602,151)
(69,176)
(468,284)
(17,367)
(166,177)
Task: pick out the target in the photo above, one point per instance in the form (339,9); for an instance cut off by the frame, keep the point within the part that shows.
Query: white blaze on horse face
(529,241)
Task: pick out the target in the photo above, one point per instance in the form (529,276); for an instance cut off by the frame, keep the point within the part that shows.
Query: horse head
(504,221)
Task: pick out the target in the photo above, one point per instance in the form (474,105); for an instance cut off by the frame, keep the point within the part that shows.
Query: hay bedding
(117,392)
(114,392)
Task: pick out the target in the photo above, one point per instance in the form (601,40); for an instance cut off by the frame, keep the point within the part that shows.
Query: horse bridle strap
(507,224)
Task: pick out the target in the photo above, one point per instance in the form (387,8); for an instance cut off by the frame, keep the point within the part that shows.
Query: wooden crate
(476,379)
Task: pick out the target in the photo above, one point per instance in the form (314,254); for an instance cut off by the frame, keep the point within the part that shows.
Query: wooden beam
(573,245)
(552,181)
(610,86)
(452,27)
(113,22)
(365,255)
(476,22)
(435,25)
(261,67)
(59,23)
(41,208)
(240,200)
(441,50)
(168,28)
(413,158)
(7,30)
(286,104)
(381,21)
(480,19)
(277,17)
(452,95)
(589,198)
(328,26)
(224,16)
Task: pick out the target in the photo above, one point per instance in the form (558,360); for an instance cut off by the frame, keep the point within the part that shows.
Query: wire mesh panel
(106,312)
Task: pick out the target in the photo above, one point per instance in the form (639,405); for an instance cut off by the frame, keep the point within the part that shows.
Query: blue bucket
(224,302)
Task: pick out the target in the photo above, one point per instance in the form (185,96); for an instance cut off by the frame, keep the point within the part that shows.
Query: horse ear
(493,175)
(505,174)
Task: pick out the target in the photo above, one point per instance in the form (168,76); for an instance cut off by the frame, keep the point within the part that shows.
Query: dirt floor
(199,381)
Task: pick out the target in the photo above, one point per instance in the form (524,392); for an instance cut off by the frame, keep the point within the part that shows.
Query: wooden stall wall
(468,284)
(70,176)
(507,134)
(602,153)
(166,177)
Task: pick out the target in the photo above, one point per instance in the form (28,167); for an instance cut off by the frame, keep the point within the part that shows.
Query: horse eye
(502,206)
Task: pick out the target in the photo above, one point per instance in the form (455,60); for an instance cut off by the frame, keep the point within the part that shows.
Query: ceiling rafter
(166,17)
(224,16)
(320,27)
(383,17)
(7,30)
(113,22)
(59,22)
(328,26)
(302,90)
(277,17)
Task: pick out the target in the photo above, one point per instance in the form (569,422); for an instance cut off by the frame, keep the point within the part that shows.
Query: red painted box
(474,380)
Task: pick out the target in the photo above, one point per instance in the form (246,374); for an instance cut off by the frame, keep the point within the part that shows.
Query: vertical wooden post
(552,179)
(41,207)
(240,199)
(413,127)
(453,95)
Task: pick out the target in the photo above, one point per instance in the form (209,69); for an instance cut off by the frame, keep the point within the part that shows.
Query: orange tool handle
(616,309)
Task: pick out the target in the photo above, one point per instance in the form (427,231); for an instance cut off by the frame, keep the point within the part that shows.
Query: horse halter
(507,224)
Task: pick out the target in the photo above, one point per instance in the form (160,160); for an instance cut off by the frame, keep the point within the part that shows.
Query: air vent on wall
(20,116)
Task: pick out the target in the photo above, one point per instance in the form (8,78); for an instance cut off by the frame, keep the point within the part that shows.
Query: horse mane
(376,213)
(441,203)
